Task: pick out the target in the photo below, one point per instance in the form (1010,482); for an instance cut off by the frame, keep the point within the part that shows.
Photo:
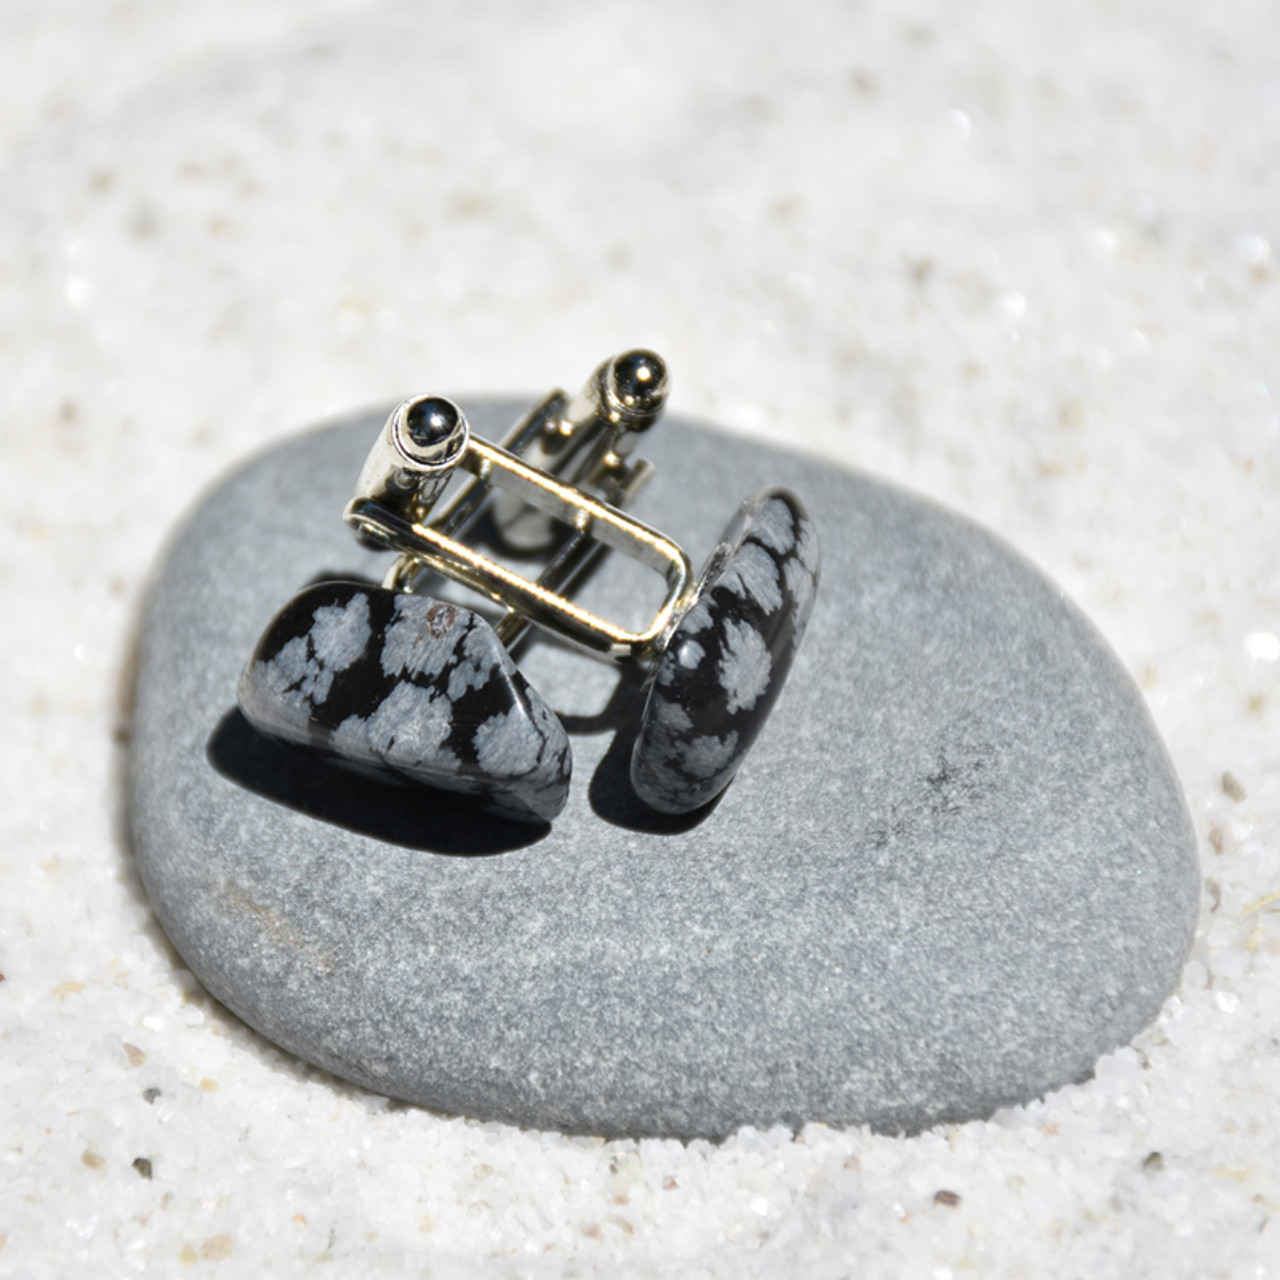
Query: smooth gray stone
(955,869)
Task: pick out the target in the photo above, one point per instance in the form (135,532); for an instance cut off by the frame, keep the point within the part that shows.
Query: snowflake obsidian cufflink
(390,681)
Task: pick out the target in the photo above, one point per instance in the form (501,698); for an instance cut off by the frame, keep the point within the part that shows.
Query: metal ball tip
(431,430)
(636,386)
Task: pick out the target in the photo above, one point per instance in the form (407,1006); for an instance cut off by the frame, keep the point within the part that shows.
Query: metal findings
(413,460)
(388,680)
(589,445)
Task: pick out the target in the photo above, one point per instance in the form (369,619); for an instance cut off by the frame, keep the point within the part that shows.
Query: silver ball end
(430,432)
(635,386)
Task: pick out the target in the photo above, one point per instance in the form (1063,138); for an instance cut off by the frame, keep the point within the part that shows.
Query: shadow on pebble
(413,817)
(610,795)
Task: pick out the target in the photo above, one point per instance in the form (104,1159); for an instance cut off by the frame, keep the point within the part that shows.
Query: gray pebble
(955,869)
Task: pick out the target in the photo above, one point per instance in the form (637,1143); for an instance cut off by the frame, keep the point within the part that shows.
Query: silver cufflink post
(567,462)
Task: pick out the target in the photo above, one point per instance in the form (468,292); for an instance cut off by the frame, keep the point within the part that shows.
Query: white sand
(1021,257)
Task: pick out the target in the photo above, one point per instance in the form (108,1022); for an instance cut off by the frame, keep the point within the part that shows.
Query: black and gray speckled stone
(727,662)
(407,687)
(955,868)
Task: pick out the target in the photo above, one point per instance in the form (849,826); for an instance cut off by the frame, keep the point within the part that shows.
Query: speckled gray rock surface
(955,869)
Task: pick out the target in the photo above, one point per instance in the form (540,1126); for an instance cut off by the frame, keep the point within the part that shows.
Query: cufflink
(390,681)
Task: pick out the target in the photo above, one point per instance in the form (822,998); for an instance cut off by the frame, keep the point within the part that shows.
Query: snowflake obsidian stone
(410,687)
(729,657)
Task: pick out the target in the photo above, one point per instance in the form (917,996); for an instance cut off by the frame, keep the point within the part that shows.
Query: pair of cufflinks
(393,682)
